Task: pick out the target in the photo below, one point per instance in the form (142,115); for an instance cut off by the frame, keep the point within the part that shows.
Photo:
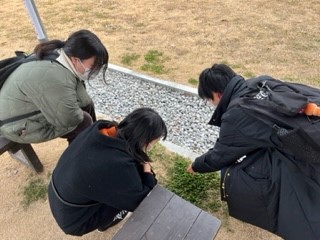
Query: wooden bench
(163,215)
(24,153)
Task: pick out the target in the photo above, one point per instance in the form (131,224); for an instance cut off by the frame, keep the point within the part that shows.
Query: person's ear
(74,60)
(212,95)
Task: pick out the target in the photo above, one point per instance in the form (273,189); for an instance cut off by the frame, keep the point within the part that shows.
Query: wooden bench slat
(5,145)
(164,215)
(176,211)
(139,221)
(207,222)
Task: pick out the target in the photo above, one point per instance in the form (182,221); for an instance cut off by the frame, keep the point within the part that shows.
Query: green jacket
(46,86)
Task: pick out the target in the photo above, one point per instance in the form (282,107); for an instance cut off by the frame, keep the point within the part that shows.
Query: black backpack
(281,106)
(8,65)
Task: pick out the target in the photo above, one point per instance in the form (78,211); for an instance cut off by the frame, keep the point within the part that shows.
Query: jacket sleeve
(135,190)
(124,187)
(240,134)
(149,180)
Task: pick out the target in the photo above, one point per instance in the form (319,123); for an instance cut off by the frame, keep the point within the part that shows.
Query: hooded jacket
(96,168)
(239,133)
(262,183)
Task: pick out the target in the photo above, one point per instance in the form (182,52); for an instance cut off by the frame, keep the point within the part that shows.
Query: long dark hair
(139,128)
(82,44)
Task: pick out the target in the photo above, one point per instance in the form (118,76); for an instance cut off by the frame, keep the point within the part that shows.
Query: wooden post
(23,153)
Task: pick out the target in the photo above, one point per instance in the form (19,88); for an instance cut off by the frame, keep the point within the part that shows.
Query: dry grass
(279,38)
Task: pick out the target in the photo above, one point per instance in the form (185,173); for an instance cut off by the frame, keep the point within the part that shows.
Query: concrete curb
(169,84)
(179,150)
(175,86)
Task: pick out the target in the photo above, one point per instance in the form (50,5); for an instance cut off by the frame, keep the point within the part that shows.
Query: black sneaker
(118,218)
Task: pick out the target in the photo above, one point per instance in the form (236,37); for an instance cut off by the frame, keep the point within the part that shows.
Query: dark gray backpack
(8,65)
(281,105)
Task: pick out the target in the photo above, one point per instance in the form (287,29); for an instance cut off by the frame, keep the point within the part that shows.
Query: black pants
(89,116)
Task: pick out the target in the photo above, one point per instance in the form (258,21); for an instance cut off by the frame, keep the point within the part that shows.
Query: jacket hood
(98,134)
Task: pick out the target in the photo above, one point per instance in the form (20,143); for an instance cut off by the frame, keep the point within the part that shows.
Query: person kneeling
(105,172)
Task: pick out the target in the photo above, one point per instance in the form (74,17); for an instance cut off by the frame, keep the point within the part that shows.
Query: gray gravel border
(185,114)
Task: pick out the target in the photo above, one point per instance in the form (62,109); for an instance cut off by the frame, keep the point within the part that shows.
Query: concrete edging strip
(166,83)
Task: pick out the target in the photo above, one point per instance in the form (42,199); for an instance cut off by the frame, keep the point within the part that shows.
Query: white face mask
(85,75)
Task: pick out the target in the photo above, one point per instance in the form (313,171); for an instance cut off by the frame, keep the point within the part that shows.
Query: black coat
(96,169)
(270,188)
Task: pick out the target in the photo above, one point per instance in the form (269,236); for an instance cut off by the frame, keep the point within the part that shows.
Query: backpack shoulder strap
(17,118)
(8,65)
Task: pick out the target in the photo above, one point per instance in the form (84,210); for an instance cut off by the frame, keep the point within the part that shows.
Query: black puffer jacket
(268,188)
(239,133)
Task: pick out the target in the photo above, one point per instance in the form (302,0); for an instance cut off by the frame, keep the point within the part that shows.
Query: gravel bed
(186,115)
